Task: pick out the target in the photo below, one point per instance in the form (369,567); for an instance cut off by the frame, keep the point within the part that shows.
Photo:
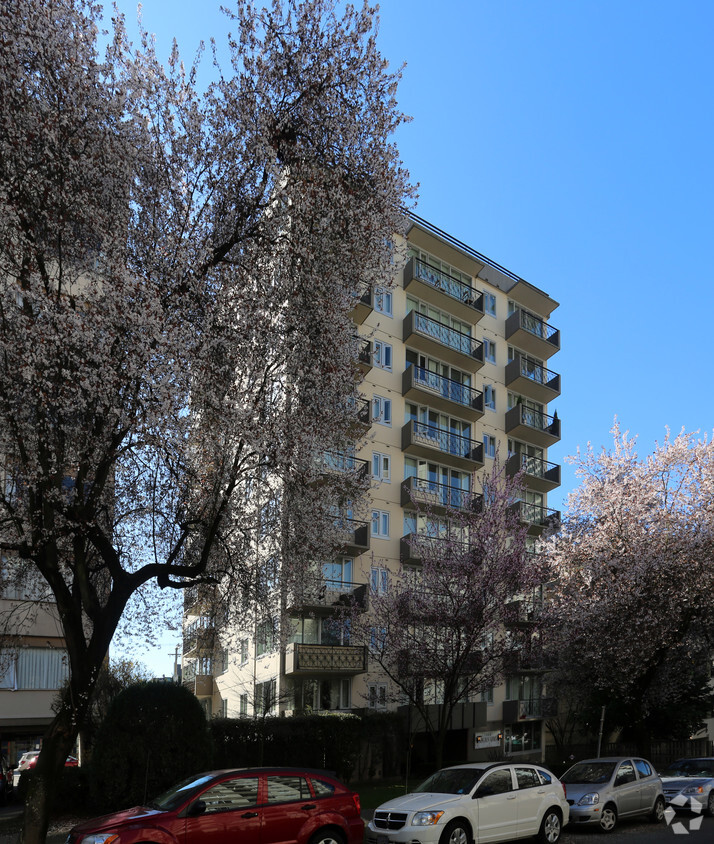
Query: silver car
(603,791)
(689,784)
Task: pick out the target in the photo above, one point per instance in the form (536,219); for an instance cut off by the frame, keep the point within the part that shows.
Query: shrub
(154,735)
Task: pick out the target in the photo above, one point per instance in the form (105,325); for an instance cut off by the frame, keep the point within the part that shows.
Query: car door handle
(511,797)
(309,806)
(249,815)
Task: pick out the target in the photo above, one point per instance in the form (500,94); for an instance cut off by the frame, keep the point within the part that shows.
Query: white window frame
(382,411)
(489,446)
(381,519)
(381,466)
(377,696)
(379,580)
(383,301)
(489,350)
(382,355)
(489,396)
(489,303)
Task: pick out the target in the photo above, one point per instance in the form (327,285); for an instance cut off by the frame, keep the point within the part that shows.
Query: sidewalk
(11,825)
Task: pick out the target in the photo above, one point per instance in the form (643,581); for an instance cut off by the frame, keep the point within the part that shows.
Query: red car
(251,805)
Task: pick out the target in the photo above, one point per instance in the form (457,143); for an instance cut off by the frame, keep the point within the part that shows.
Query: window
(489,351)
(287,789)
(383,301)
(264,638)
(239,793)
(243,651)
(382,355)
(222,662)
(625,774)
(378,580)
(380,466)
(527,777)
(489,396)
(643,768)
(497,782)
(382,410)
(243,705)
(33,668)
(265,697)
(487,696)
(377,695)
(489,303)
(489,445)
(322,789)
(380,524)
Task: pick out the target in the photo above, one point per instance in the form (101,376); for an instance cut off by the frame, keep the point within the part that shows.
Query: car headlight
(693,789)
(100,838)
(426,818)
(589,799)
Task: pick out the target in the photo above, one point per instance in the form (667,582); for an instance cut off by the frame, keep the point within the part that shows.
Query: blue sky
(571,141)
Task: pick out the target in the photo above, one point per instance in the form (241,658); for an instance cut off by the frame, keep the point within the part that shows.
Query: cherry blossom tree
(443,628)
(631,612)
(177,272)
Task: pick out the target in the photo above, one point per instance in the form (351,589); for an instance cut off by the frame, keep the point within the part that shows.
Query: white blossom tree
(442,630)
(177,271)
(632,604)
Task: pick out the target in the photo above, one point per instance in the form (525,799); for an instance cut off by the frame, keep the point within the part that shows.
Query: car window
(497,782)
(643,768)
(323,789)
(625,773)
(227,795)
(527,777)
(450,781)
(545,777)
(588,773)
(690,768)
(287,789)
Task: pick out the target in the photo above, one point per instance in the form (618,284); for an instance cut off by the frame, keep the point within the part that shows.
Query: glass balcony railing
(446,388)
(446,336)
(447,284)
(443,440)
(430,493)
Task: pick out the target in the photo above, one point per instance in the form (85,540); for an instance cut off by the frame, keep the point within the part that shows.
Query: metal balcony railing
(453,287)
(446,388)
(446,336)
(440,439)
(421,491)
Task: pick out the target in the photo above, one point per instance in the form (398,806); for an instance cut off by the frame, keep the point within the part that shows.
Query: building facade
(455,360)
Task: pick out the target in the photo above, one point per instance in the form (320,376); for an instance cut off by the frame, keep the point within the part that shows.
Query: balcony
(326,595)
(443,291)
(537,517)
(200,682)
(520,614)
(364,355)
(199,636)
(531,334)
(414,547)
(335,660)
(430,441)
(420,385)
(531,380)
(529,710)
(532,426)
(538,474)
(436,497)
(339,463)
(441,341)
(356,536)
(363,306)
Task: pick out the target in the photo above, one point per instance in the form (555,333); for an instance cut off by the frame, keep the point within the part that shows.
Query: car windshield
(451,781)
(175,796)
(690,768)
(588,773)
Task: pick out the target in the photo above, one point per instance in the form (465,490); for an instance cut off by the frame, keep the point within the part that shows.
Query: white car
(689,784)
(475,803)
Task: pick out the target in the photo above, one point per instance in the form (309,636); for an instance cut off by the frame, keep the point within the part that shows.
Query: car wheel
(657,813)
(328,836)
(710,804)
(608,818)
(456,832)
(550,827)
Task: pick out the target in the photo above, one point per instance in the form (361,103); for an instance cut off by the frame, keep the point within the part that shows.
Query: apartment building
(456,362)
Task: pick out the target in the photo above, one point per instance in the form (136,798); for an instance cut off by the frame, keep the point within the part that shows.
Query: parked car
(603,791)
(252,805)
(28,760)
(689,784)
(475,803)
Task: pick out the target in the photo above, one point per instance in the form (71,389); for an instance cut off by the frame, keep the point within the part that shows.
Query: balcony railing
(532,379)
(532,334)
(441,390)
(355,534)
(444,338)
(529,710)
(456,289)
(538,474)
(533,426)
(199,635)
(414,547)
(423,439)
(346,464)
(362,306)
(536,516)
(325,659)
(329,594)
(420,491)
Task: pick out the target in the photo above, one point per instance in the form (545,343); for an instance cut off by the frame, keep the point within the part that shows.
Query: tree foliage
(176,273)
(632,621)
(443,629)
(154,735)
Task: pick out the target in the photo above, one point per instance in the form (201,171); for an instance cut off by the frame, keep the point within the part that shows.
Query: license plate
(382,839)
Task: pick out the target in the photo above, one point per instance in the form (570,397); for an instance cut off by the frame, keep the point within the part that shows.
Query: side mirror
(196,809)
